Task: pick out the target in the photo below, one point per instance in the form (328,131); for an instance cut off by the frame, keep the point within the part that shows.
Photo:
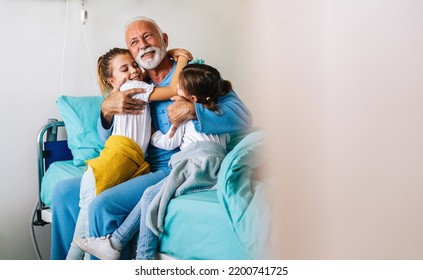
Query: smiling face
(124,67)
(146,43)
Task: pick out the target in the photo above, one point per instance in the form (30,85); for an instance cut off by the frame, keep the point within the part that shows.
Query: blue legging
(107,211)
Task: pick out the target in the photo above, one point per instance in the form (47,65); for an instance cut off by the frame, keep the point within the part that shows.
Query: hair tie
(208,99)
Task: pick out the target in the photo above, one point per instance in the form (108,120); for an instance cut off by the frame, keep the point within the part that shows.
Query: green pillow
(80,115)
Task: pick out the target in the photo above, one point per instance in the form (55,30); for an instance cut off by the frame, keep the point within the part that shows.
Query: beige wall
(342,90)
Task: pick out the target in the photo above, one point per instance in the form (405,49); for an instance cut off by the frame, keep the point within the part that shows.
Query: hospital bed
(231,222)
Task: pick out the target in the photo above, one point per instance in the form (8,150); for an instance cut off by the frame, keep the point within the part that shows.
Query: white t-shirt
(185,135)
(136,127)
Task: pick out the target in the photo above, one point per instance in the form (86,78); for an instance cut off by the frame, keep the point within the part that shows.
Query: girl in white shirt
(123,155)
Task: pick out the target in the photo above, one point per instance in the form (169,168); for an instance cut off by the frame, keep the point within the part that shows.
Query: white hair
(143,18)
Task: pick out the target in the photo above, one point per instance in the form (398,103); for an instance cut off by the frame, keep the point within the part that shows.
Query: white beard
(151,63)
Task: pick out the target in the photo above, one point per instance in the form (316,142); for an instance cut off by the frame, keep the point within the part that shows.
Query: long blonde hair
(104,70)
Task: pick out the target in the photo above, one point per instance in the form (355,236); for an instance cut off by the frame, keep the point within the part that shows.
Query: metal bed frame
(49,150)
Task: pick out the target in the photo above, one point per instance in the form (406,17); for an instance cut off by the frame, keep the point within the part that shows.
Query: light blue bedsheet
(58,171)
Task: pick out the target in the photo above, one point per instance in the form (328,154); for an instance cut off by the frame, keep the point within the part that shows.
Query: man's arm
(232,115)
(120,102)
(103,133)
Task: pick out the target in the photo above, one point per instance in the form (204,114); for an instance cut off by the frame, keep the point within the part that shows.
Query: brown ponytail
(204,82)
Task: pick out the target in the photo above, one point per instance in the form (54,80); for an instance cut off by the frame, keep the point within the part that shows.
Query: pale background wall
(348,125)
(341,89)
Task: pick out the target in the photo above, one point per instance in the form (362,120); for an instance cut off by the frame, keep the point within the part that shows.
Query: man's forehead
(137,27)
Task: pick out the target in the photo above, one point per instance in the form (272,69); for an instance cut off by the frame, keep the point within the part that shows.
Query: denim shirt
(158,158)
(232,116)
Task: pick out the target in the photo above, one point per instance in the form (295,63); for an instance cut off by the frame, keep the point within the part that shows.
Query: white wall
(340,88)
(32,35)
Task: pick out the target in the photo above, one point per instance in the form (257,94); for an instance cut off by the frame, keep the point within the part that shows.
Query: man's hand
(121,102)
(180,112)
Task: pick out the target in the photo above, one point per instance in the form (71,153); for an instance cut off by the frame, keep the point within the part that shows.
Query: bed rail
(49,150)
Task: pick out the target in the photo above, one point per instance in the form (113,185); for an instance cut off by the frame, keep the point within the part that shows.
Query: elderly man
(147,44)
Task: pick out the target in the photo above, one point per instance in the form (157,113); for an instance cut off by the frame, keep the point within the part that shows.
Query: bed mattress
(197,227)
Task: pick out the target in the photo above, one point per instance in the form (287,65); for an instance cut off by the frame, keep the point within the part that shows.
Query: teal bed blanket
(196,227)
(244,196)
